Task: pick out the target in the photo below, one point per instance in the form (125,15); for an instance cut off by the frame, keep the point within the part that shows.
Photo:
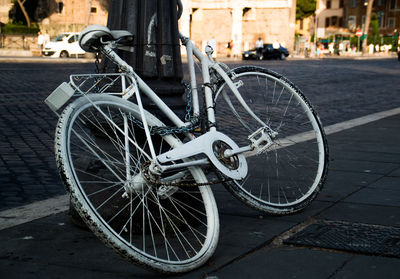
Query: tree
(366,27)
(21,5)
(305,8)
(374,23)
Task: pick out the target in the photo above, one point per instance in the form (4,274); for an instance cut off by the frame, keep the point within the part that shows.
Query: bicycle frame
(186,150)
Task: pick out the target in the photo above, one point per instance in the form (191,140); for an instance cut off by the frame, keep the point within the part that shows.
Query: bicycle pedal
(261,139)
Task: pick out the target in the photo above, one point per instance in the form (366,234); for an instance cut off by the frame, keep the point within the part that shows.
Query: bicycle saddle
(93,36)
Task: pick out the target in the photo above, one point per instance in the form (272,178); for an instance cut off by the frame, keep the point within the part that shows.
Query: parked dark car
(268,52)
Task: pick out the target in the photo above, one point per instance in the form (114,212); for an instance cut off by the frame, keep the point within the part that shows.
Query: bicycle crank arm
(194,163)
(212,144)
(232,152)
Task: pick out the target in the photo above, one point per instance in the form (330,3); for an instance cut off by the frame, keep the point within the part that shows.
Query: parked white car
(64,45)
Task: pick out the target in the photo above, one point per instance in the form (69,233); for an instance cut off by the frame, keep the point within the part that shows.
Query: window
(341,22)
(334,20)
(249,14)
(351,22)
(301,24)
(392,4)
(93,10)
(327,22)
(328,4)
(60,38)
(353,3)
(380,19)
(73,39)
(60,7)
(391,22)
(341,3)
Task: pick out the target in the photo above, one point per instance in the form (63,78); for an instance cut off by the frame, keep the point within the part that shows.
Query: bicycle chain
(155,181)
(195,122)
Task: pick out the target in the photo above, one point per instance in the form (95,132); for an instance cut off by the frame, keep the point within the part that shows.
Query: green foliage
(374,25)
(354,41)
(381,40)
(19,29)
(16,15)
(305,8)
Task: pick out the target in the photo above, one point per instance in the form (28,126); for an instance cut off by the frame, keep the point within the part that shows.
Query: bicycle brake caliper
(262,139)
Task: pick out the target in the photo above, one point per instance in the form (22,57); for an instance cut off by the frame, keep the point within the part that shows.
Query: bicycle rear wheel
(165,229)
(290,173)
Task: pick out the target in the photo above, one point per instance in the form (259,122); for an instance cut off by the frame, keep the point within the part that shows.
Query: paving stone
(396,173)
(342,183)
(363,213)
(28,124)
(390,183)
(358,189)
(369,268)
(285,262)
(337,152)
(363,166)
(54,249)
(385,197)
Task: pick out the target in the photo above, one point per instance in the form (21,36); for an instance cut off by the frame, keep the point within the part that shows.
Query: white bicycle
(144,190)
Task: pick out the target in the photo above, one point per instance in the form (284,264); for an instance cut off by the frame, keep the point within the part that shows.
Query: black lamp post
(157,57)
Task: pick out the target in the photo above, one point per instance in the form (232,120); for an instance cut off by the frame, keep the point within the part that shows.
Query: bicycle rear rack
(114,84)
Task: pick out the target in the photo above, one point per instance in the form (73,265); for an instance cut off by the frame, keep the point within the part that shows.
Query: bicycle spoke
(288,172)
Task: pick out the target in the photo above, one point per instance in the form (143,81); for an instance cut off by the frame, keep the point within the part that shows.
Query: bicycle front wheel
(288,175)
(101,151)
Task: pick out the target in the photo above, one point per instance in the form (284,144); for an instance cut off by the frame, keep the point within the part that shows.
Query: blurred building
(5,6)
(345,17)
(242,22)
(386,11)
(330,19)
(70,15)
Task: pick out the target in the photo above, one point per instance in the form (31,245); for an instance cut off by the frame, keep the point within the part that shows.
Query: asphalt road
(339,89)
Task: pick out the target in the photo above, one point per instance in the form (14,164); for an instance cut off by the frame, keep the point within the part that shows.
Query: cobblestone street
(339,89)
(27,166)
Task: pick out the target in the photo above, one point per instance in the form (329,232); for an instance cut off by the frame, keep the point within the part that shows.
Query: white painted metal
(204,145)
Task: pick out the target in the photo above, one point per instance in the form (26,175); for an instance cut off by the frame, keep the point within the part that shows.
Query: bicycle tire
(290,174)
(169,233)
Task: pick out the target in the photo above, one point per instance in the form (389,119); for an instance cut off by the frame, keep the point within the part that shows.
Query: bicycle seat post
(110,53)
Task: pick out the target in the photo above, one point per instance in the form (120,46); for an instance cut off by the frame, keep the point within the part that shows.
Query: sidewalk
(358,210)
